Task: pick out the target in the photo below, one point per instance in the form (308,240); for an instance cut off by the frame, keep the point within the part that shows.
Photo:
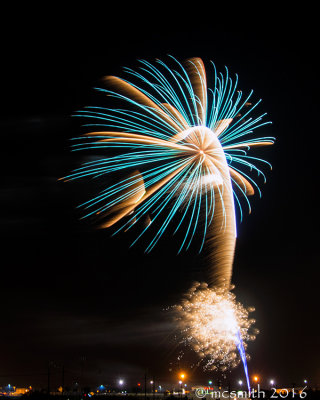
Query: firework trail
(180,146)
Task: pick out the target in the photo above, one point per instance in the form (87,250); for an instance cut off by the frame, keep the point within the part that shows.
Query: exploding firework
(213,323)
(178,143)
(180,148)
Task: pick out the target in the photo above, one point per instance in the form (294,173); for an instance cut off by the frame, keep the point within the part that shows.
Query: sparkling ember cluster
(211,319)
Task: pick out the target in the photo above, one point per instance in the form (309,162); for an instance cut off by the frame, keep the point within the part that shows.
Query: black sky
(69,291)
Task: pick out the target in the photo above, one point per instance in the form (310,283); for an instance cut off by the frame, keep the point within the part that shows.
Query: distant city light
(255,378)
(305,381)
(180,382)
(240,382)
(210,382)
(120,381)
(272,381)
(151,382)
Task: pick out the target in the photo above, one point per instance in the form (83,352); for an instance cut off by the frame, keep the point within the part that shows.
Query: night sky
(72,295)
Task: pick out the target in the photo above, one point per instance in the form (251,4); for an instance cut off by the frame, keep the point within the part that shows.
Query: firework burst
(180,146)
(212,322)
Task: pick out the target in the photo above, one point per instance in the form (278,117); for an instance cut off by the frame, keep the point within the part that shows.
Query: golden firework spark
(211,322)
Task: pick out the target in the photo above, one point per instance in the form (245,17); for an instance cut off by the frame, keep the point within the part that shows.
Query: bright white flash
(210,319)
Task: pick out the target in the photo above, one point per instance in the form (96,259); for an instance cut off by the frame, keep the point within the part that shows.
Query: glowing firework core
(212,321)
